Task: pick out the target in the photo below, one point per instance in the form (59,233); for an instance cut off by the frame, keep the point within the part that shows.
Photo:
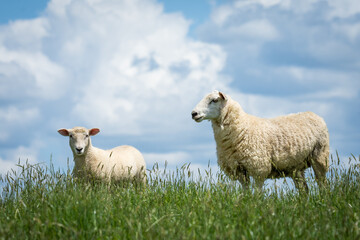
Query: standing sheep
(265,148)
(117,164)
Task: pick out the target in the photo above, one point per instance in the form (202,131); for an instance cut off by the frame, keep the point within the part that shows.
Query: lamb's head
(209,107)
(79,138)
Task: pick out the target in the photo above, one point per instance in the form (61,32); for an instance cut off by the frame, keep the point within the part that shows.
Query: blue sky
(135,69)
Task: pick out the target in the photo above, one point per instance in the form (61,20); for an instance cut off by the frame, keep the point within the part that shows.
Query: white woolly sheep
(247,146)
(117,164)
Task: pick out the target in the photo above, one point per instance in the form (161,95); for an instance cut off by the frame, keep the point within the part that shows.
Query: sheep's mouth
(79,153)
(199,119)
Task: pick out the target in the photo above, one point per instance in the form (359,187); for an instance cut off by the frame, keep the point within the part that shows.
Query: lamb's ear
(94,131)
(223,96)
(63,132)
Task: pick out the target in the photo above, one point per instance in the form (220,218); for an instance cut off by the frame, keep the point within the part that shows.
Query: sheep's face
(79,138)
(209,107)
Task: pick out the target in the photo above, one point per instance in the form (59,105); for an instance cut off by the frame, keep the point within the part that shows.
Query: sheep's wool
(116,164)
(266,148)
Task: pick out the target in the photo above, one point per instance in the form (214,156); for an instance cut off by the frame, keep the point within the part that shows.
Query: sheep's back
(125,159)
(293,137)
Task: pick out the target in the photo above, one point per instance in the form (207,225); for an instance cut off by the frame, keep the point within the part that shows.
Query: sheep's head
(79,138)
(209,107)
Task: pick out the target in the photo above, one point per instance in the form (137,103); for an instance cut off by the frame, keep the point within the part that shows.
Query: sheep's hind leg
(300,182)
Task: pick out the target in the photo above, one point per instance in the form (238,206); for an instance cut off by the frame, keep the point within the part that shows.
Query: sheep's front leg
(259,182)
(243,176)
(300,182)
(245,181)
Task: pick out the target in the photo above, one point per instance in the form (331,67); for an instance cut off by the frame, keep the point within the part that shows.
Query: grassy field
(38,202)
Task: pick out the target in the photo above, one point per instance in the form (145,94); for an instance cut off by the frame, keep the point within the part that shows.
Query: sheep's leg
(240,174)
(244,179)
(245,182)
(320,164)
(320,174)
(300,182)
(259,182)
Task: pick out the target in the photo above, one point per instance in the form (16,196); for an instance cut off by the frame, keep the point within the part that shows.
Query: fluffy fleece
(117,164)
(247,145)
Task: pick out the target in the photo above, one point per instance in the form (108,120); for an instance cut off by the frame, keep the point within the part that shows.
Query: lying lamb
(265,148)
(117,164)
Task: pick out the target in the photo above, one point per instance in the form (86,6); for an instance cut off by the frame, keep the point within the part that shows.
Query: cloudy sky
(136,68)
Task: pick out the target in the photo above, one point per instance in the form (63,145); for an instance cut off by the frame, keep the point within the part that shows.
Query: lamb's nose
(194,114)
(79,149)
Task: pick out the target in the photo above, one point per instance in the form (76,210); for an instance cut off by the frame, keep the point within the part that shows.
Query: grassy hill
(38,202)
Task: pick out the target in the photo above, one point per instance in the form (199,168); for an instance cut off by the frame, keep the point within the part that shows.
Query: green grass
(40,203)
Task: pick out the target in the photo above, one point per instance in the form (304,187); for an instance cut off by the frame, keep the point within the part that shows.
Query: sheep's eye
(214,101)
(87,136)
(71,136)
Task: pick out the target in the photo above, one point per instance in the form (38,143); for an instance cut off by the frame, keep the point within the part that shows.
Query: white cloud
(340,84)
(260,29)
(123,66)
(11,157)
(270,106)
(14,117)
(351,30)
(172,158)
(45,78)
(24,34)
(24,65)
(47,75)
(265,46)
(343,8)
(221,14)
(6,166)
(140,73)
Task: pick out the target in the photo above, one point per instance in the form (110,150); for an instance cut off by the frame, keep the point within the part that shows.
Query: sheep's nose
(194,114)
(79,149)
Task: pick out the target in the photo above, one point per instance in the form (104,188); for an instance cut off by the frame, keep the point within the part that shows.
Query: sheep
(114,165)
(247,145)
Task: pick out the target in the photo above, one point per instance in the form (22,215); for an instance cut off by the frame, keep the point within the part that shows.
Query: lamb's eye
(214,101)
(86,136)
(71,136)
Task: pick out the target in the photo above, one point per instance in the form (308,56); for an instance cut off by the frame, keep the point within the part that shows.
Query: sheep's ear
(223,96)
(63,132)
(94,131)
